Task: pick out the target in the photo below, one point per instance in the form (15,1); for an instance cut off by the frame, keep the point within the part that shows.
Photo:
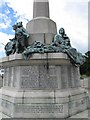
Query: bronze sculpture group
(60,43)
(20,42)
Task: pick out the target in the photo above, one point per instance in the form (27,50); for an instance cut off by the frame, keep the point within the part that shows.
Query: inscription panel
(38,77)
(29,77)
(41,108)
(47,77)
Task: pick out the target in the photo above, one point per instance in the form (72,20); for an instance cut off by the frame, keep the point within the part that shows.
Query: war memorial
(41,79)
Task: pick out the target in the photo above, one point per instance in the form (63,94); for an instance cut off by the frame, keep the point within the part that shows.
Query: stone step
(84,114)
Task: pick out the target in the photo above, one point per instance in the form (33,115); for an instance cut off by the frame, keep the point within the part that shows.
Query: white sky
(69,14)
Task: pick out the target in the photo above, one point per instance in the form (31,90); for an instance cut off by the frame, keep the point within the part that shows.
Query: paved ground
(83,115)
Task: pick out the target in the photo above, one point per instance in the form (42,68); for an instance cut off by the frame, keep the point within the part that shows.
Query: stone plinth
(41,29)
(44,86)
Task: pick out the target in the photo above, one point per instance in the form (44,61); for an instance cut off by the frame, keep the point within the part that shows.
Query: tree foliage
(85,67)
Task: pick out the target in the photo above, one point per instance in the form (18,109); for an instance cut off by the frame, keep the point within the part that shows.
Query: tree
(85,67)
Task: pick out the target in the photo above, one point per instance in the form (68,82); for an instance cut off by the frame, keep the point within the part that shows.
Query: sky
(72,15)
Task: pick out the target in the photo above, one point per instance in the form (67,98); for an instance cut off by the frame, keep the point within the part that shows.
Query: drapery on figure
(19,43)
(62,41)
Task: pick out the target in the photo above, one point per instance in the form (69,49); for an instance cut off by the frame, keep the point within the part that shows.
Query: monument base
(45,86)
(43,103)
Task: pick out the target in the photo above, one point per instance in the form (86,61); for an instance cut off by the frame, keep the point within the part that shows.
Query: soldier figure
(21,37)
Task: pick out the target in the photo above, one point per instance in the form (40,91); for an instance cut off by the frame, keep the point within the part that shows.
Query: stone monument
(46,85)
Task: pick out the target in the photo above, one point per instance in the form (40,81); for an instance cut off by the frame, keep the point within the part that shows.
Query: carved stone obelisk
(41,27)
(41,8)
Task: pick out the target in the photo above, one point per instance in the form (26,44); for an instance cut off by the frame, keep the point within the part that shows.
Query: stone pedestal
(41,28)
(45,86)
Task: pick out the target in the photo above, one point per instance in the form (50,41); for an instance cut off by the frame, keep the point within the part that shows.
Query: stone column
(40,8)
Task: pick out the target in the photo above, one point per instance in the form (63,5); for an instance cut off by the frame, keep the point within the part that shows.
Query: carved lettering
(50,108)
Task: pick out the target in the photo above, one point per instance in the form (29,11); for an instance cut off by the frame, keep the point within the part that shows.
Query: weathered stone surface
(41,77)
(39,108)
(41,29)
(41,8)
(38,77)
(37,59)
(61,106)
(64,77)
